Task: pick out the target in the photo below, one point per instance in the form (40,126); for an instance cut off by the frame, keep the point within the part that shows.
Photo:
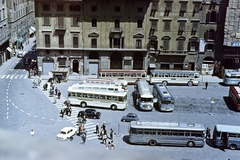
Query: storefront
(60,74)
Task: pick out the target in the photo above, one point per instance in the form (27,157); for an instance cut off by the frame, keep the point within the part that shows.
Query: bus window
(79,95)
(140,131)
(232,135)
(102,97)
(96,96)
(133,130)
(73,94)
(90,96)
(109,98)
(84,95)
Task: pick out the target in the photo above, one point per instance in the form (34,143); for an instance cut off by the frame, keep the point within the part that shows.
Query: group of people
(102,133)
(36,82)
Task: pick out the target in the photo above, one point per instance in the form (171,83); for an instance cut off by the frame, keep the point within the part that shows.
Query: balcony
(60,27)
(116,30)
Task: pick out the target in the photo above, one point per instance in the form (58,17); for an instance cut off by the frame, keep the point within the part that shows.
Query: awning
(9,49)
(20,39)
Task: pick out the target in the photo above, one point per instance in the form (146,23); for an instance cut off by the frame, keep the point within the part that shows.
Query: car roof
(90,110)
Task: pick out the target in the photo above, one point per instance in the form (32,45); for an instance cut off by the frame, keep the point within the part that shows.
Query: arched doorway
(138,61)
(116,60)
(75,65)
(207,66)
(48,65)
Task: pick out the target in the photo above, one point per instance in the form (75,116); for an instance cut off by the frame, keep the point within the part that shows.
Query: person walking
(206,85)
(97,129)
(208,133)
(59,94)
(32,132)
(111,134)
(55,99)
(56,90)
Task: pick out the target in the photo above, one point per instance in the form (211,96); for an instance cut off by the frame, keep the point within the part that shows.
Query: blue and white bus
(162,97)
(232,77)
(167,133)
(143,96)
(226,136)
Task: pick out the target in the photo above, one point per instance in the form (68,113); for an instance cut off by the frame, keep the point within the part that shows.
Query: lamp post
(212,103)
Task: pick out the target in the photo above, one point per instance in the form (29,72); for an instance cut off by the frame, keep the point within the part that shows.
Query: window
(3,13)
(74,21)
(94,43)
(167,25)
(197,7)
(94,22)
(60,7)
(46,7)
(46,21)
(140,9)
(94,8)
(193,46)
(194,26)
(180,43)
(183,7)
(60,22)
(75,42)
(47,40)
(74,8)
(182,25)
(127,62)
(61,41)
(168,6)
(138,43)
(117,23)
(117,9)
(154,24)
(139,23)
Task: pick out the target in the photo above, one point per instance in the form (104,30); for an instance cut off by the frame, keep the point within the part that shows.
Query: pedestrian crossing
(90,125)
(14,76)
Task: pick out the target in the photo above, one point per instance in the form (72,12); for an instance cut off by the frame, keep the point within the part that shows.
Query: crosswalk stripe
(16,76)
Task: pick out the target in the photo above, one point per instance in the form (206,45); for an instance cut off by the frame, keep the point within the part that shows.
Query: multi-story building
(21,22)
(87,35)
(231,45)
(4,33)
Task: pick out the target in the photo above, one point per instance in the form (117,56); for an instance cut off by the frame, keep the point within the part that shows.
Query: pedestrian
(206,85)
(55,99)
(59,94)
(104,126)
(56,90)
(97,129)
(39,81)
(208,133)
(222,145)
(84,138)
(104,139)
(111,134)
(32,132)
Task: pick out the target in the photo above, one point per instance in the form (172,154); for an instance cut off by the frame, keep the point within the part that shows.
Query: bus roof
(227,128)
(121,70)
(143,89)
(166,125)
(162,89)
(173,71)
(104,81)
(237,89)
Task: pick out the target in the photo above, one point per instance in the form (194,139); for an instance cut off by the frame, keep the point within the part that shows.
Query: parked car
(20,55)
(92,113)
(130,117)
(66,133)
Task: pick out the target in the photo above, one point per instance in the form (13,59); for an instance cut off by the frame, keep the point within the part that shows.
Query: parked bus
(143,96)
(129,75)
(162,97)
(98,95)
(234,96)
(167,133)
(232,77)
(121,83)
(226,136)
(177,77)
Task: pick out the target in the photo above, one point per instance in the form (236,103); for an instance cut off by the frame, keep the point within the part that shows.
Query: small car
(20,55)
(66,133)
(92,113)
(130,117)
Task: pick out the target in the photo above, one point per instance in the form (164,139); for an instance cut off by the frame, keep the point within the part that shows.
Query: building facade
(4,33)
(83,36)
(231,44)
(21,22)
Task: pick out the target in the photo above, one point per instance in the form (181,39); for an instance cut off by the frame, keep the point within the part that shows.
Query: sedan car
(92,113)
(129,117)
(66,133)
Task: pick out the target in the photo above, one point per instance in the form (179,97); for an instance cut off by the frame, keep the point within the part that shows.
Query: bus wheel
(233,146)
(190,83)
(152,142)
(113,107)
(164,83)
(190,144)
(83,104)
(238,84)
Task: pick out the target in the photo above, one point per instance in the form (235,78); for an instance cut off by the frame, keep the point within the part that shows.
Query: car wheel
(164,83)
(113,107)
(83,104)
(124,120)
(233,146)
(152,142)
(190,144)
(190,83)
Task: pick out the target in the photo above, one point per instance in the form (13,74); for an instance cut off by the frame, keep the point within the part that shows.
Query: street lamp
(212,103)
